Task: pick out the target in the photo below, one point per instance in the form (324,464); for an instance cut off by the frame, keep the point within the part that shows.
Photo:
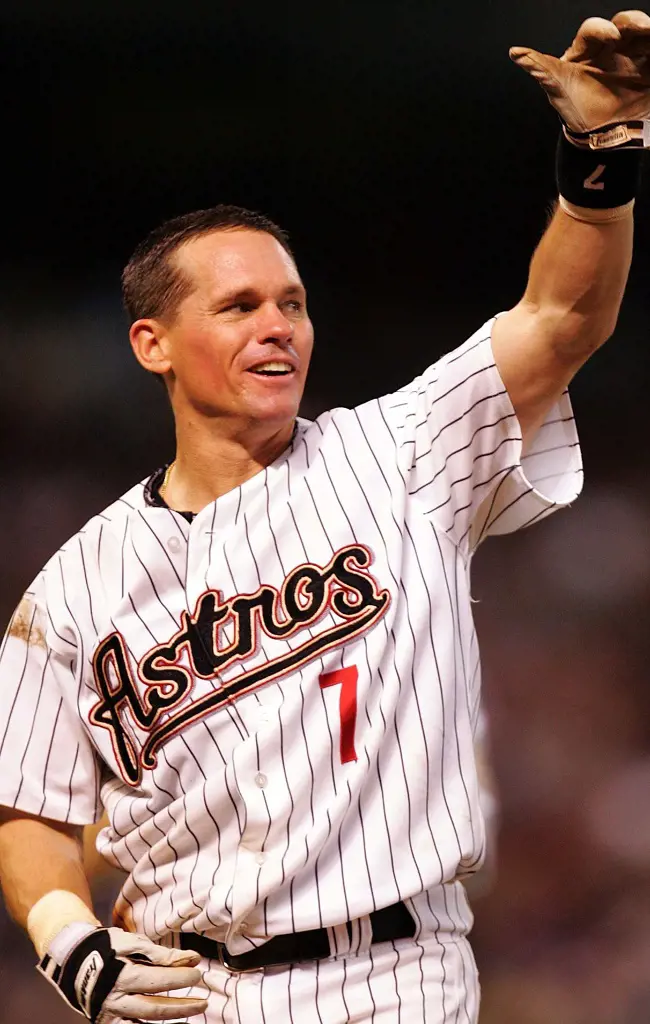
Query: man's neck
(207,466)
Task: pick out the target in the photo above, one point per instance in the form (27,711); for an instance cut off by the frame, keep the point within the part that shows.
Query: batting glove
(601,86)
(109,975)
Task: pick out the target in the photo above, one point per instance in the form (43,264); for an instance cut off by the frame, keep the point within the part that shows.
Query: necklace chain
(168,473)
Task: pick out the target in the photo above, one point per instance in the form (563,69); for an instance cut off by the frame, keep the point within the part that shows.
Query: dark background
(412,164)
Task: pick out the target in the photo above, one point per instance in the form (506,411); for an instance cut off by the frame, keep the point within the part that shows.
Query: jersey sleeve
(461,445)
(48,765)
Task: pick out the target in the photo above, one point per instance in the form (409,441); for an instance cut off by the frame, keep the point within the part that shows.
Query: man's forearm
(574,292)
(37,857)
(576,283)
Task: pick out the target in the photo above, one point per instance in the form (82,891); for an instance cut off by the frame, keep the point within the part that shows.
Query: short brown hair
(152,286)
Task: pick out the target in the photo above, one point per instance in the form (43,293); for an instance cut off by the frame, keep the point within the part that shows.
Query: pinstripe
(239,1016)
(437,931)
(210,815)
(495,495)
(49,753)
(85,574)
(442,696)
(452,423)
(162,548)
(160,601)
(123,560)
(31,729)
(343,981)
(461,383)
(454,607)
(63,639)
(230,981)
(507,508)
(478,484)
(28,649)
(74,765)
(461,951)
(418,922)
(465,350)
(168,840)
(189,829)
(153,906)
(290,974)
(138,616)
(169,844)
(397,991)
(316,994)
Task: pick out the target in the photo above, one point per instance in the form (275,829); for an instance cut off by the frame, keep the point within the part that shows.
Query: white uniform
(276,702)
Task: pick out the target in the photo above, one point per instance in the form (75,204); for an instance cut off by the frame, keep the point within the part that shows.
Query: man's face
(240,343)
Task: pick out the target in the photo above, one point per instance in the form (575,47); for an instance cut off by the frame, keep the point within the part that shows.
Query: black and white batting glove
(109,975)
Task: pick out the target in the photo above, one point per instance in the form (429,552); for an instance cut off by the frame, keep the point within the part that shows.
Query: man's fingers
(164,957)
(594,36)
(135,1007)
(634,27)
(166,1008)
(632,21)
(539,65)
(129,944)
(139,978)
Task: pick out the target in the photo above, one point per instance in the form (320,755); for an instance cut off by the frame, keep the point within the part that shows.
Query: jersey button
(261,780)
(174,544)
(261,857)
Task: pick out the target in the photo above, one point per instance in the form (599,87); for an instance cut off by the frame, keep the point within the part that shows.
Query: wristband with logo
(597,179)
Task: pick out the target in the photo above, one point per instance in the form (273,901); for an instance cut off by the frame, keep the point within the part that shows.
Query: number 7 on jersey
(347,677)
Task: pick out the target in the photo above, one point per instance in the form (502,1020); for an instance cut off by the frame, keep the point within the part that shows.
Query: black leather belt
(387,925)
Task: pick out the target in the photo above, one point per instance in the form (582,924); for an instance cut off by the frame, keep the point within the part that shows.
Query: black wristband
(597,180)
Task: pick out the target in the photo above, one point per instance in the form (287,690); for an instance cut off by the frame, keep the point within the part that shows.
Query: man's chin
(255,411)
(272,410)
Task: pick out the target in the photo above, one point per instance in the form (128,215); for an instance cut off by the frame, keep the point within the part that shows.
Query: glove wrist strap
(618,135)
(52,913)
(597,180)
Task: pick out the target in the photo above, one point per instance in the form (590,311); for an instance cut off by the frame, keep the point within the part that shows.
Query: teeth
(273,367)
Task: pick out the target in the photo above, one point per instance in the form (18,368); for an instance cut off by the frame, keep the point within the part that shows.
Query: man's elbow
(576,337)
(10,816)
(572,334)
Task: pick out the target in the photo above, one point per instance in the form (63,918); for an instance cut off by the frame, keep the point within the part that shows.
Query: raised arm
(601,89)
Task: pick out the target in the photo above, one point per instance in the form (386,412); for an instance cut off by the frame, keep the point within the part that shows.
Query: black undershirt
(152,495)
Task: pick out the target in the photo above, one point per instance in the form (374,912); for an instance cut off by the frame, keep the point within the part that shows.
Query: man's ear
(150,345)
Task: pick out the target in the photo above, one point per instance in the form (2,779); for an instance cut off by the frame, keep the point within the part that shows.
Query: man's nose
(273,325)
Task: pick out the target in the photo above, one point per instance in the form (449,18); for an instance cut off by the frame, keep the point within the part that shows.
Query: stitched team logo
(344,587)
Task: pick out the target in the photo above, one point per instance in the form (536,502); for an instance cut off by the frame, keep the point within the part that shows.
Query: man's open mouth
(272,369)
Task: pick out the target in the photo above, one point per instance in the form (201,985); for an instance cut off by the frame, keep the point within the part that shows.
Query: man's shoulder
(110,519)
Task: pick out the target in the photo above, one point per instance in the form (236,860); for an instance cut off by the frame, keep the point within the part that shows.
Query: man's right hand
(108,974)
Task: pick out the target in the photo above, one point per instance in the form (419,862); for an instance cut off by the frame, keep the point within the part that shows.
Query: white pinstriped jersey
(276,703)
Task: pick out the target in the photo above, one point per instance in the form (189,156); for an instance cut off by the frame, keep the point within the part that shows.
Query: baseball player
(261,660)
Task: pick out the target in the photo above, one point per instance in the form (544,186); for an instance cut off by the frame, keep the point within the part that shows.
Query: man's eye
(294,306)
(238,307)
